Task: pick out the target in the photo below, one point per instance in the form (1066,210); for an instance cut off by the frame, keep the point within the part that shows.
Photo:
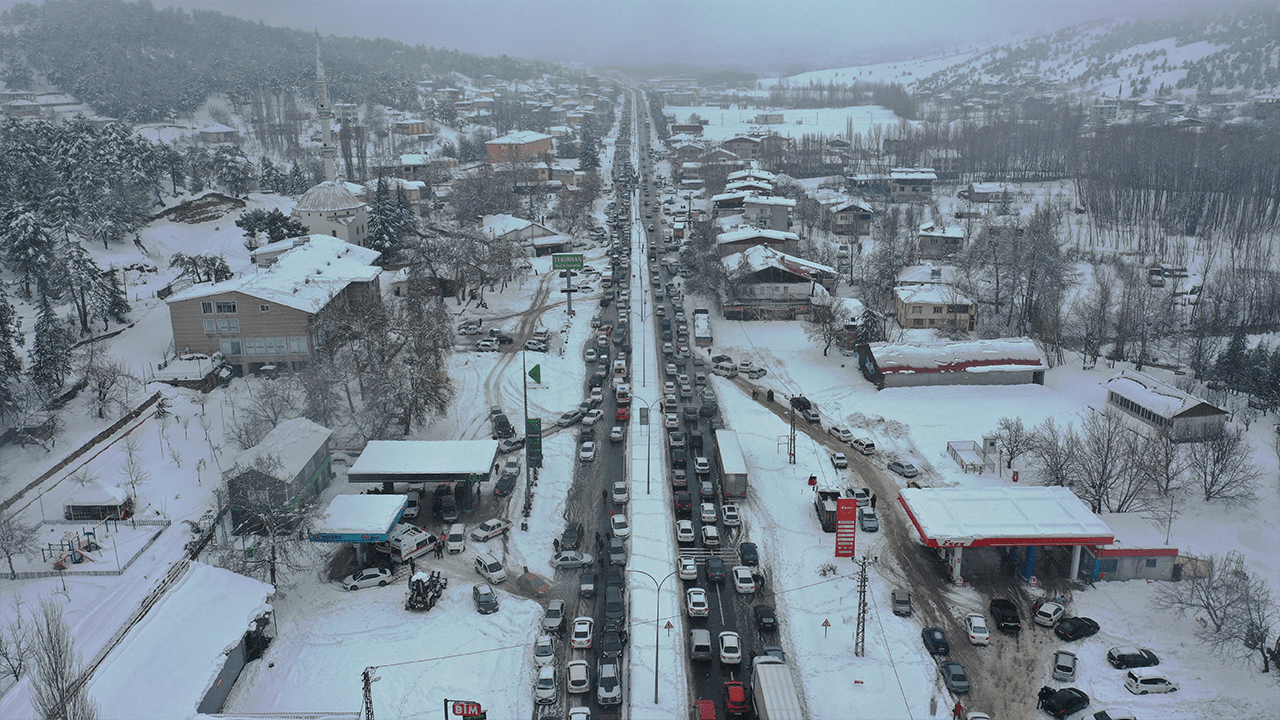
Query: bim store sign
(846,526)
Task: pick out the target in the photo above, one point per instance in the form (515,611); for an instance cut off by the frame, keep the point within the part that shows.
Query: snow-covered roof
(359,515)
(304,278)
(959,356)
(292,442)
(934,294)
(927,273)
(769,200)
(167,662)
(756,174)
(218,128)
(426,457)
(328,196)
(549,240)
(1002,516)
(1134,532)
(521,137)
(991,188)
(762,256)
(847,204)
(931,229)
(414,159)
(739,185)
(913,174)
(96,494)
(392,183)
(1164,400)
(748,233)
(725,197)
(500,225)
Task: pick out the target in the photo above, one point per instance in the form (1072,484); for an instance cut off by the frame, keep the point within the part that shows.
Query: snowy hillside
(1236,51)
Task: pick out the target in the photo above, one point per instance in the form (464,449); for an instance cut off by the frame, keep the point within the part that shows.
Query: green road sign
(566,261)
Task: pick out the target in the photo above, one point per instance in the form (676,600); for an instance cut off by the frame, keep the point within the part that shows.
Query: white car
(1049,614)
(729,516)
(581,713)
(842,434)
(369,577)
(730,648)
(839,461)
(668,388)
(608,683)
(490,529)
(544,690)
(701,465)
(671,421)
(688,568)
(615,435)
(708,510)
(684,531)
(581,635)
(696,602)
(578,676)
(621,492)
(619,527)
(535,345)
(743,581)
(976,625)
(544,651)
(592,416)
(587,452)
(710,536)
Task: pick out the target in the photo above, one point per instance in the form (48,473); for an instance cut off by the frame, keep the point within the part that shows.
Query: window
(937,309)
(297,346)
(264,346)
(1108,566)
(918,322)
(206,308)
(230,346)
(228,325)
(917,309)
(210,326)
(264,308)
(226,307)
(1151,562)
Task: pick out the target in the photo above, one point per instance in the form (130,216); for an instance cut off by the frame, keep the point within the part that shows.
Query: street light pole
(657,625)
(648,454)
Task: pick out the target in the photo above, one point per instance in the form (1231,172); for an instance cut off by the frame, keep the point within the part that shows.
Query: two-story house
(525,145)
(911,184)
(933,306)
(288,467)
(850,217)
(773,213)
(266,317)
(939,241)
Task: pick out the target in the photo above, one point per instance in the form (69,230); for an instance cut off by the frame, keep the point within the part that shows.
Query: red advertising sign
(467,709)
(846,526)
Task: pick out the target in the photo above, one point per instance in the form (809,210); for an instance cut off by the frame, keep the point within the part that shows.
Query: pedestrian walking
(957,712)
(604,495)
(873,501)
(755,394)
(555,543)
(413,568)
(1046,692)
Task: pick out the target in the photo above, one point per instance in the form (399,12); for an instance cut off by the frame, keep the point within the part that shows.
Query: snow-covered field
(830,122)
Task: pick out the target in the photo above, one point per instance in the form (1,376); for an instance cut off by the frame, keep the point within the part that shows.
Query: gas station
(952,519)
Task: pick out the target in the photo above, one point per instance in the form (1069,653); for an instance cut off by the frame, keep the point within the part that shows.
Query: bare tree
(825,323)
(16,642)
(1104,444)
(16,538)
(1223,468)
(1236,610)
(1014,439)
(1055,452)
(133,469)
(56,691)
(270,517)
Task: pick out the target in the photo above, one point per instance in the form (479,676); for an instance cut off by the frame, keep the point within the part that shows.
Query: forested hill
(132,61)
(1234,49)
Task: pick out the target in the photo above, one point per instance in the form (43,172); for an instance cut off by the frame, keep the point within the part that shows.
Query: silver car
(1064,666)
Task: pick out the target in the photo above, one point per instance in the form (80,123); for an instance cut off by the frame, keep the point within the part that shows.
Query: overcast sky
(757,35)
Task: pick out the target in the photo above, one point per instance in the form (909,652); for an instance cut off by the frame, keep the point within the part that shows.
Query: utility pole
(791,439)
(860,637)
(368,679)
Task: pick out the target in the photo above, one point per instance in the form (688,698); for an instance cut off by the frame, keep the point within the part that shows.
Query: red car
(735,698)
(622,415)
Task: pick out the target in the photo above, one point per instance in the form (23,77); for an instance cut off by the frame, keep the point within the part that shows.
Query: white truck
(733,465)
(702,327)
(773,689)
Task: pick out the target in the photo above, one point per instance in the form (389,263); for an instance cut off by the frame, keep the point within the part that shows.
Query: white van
(407,542)
(491,569)
(863,445)
(456,539)
(725,369)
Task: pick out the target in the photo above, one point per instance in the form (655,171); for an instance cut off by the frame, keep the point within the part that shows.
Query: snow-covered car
(619,527)
(577,676)
(730,648)
(580,637)
(867,519)
(367,577)
(621,492)
(485,599)
(535,345)
(544,651)
(490,529)
(587,452)
(696,602)
(710,536)
(571,559)
(684,531)
(487,345)
(729,515)
(545,689)
(592,416)
(688,567)
(976,625)
(743,581)
(1064,666)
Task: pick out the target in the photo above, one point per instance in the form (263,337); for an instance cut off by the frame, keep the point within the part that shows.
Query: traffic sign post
(567,262)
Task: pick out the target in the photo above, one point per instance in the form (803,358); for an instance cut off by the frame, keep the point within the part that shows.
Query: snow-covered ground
(830,122)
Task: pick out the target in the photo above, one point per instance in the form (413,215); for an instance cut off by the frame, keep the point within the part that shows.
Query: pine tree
(406,219)
(29,250)
(1229,367)
(10,360)
(85,281)
(382,220)
(51,352)
(117,305)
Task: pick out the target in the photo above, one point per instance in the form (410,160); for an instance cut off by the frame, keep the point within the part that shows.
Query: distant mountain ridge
(1233,52)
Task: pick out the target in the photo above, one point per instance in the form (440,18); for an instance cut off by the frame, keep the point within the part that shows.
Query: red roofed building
(1005,361)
